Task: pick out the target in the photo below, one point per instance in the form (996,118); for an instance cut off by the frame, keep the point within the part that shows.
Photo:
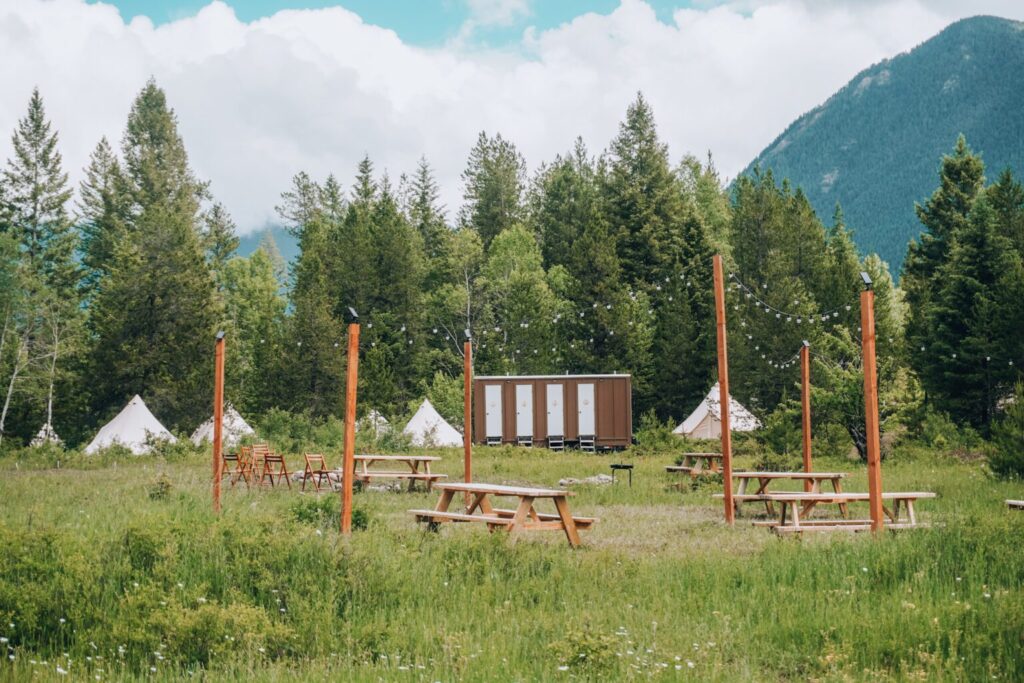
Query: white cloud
(316,89)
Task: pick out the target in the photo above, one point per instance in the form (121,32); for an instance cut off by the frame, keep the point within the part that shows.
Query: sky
(264,89)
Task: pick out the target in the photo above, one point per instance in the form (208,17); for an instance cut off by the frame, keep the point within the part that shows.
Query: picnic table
(766,479)
(1015,504)
(695,464)
(801,505)
(524,517)
(418,468)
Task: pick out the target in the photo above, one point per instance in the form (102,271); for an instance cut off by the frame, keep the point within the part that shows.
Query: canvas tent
(130,429)
(428,428)
(706,421)
(46,435)
(235,427)
(374,422)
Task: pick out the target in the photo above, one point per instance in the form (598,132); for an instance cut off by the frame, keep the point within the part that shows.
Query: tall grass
(99,577)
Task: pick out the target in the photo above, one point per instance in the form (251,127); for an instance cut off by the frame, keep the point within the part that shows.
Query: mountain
(286,244)
(876,145)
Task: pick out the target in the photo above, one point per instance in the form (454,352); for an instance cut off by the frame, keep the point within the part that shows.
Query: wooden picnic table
(695,463)
(1015,504)
(418,468)
(800,506)
(766,479)
(523,518)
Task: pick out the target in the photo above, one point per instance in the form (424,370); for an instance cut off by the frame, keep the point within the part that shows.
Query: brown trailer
(590,411)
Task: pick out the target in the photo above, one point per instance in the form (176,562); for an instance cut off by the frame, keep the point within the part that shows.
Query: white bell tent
(132,427)
(428,428)
(234,429)
(373,422)
(706,421)
(46,435)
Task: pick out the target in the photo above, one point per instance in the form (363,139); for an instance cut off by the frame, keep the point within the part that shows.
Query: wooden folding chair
(242,465)
(274,466)
(257,462)
(316,469)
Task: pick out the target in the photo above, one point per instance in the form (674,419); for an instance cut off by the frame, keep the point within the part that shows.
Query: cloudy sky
(265,88)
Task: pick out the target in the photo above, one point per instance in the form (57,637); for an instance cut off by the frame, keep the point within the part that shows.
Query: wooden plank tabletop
(825,497)
(502,490)
(790,475)
(398,458)
(701,455)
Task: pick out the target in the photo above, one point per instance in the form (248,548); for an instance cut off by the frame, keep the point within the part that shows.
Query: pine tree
(155,315)
(1006,198)
(943,215)
(424,212)
(103,209)
(565,200)
(495,180)
(219,238)
(36,197)
(300,204)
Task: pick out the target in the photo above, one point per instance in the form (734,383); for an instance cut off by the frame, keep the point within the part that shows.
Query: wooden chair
(243,466)
(316,469)
(257,462)
(274,466)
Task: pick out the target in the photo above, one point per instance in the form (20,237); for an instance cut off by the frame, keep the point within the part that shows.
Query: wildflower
(61,671)
(690,664)
(679,667)
(988,595)
(864,569)
(63,620)
(563,668)
(152,669)
(3,639)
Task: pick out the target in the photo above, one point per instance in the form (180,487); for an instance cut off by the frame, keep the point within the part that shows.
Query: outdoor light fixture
(867,280)
(353,316)
(220,335)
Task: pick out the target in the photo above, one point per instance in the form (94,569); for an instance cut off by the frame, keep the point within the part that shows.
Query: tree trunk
(15,371)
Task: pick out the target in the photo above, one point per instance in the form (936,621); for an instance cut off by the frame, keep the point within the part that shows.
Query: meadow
(115,568)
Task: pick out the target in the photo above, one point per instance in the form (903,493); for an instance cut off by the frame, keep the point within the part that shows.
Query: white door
(585,408)
(524,410)
(492,411)
(556,411)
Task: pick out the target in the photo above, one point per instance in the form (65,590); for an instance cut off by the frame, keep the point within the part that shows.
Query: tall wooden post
(348,467)
(218,418)
(805,401)
(867,326)
(723,387)
(467,411)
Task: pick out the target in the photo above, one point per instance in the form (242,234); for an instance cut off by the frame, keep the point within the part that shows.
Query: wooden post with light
(867,326)
(805,405)
(218,417)
(348,467)
(723,387)
(467,411)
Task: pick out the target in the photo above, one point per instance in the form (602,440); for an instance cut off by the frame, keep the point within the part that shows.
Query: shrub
(586,650)
(161,488)
(655,436)
(174,451)
(1007,458)
(324,512)
(446,393)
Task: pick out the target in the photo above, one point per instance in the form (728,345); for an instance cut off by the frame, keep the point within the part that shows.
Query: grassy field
(106,574)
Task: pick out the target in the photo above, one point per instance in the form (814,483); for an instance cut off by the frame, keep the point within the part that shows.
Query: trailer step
(493,441)
(588,442)
(524,441)
(556,442)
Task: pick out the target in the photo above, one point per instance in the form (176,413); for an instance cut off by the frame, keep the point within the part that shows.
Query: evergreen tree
(219,238)
(565,200)
(424,212)
(495,180)
(155,315)
(943,215)
(1006,198)
(36,197)
(104,213)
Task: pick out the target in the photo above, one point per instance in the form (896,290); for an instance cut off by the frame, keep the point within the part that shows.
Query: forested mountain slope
(875,145)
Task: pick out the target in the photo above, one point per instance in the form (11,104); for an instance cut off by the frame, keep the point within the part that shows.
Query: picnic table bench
(766,479)
(522,518)
(800,506)
(418,469)
(1015,504)
(695,464)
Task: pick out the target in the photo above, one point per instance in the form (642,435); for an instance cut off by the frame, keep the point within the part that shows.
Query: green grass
(661,589)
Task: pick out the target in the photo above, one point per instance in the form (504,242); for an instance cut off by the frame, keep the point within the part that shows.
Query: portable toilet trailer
(590,411)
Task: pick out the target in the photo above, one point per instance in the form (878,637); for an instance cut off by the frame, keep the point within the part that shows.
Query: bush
(586,650)
(446,393)
(161,488)
(324,512)
(654,436)
(175,451)
(939,431)
(1007,458)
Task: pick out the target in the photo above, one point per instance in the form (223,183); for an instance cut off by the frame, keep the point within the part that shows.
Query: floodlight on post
(348,467)
(873,438)
(218,417)
(805,405)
